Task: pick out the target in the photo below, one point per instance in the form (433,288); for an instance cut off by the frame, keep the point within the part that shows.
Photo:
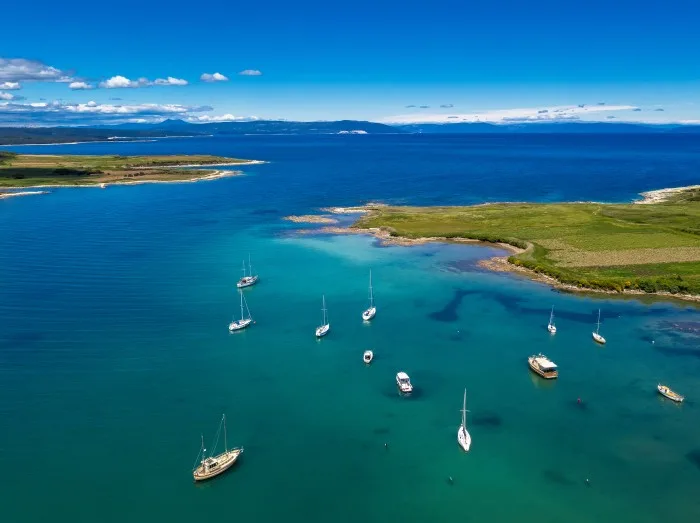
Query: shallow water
(114,356)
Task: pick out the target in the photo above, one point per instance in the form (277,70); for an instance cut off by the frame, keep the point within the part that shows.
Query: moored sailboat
(372,310)
(463,437)
(323,329)
(213,465)
(368,356)
(596,335)
(550,326)
(248,278)
(237,325)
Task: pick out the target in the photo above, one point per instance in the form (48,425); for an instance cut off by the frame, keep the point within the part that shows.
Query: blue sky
(496,60)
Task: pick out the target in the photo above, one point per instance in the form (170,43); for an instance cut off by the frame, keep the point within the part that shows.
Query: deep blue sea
(115,354)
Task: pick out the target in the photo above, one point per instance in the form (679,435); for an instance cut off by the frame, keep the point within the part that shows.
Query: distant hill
(548,127)
(42,135)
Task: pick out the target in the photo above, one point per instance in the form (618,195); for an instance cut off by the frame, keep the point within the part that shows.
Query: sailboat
(551,327)
(596,335)
(323,329)
(237,325)
(210,466)
(248,279)
(372,311)
(463,437)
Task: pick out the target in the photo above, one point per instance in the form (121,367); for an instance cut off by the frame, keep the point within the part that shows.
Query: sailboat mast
(597,331)
(244,274)
(371,294)
(464,409)
(324,310)
(250,266)
(225,442)
(241,293)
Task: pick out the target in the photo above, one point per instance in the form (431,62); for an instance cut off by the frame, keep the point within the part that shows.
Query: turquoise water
(115,356)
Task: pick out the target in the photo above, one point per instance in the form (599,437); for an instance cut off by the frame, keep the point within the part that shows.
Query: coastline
(502,263)
(4,195)
(214,175)
(662,195)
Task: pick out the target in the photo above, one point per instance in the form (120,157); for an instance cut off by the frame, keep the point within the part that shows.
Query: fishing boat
(550,326)
(323,329)
(463,437)
(543,366)
(596,335)
(248,278)
(404,383)
(210,466)
(372,310)
(368,356)
(665,391)
(237,325)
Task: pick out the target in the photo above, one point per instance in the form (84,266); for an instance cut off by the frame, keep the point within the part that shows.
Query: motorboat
(404,383)
(668,393)
(543,366)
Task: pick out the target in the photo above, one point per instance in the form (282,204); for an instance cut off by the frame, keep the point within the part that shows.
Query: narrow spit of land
(33,170)
(620,248)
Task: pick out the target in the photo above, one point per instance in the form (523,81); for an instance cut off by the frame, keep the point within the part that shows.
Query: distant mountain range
(170,128)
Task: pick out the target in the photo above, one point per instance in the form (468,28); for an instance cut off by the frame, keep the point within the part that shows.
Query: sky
(80,63)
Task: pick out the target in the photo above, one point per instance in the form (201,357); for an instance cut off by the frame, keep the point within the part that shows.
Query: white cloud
(10,86)
(216,77)
(118,82)
(90,113)
(220,118)
(564,112)
(170,81)
(6,96)
(21,69)
(79,85)
(250,72)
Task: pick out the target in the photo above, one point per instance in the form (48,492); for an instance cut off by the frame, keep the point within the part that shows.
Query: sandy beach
(20,193)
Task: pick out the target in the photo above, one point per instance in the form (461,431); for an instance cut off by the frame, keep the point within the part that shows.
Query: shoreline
(662,195)
(4,195)
(215,175)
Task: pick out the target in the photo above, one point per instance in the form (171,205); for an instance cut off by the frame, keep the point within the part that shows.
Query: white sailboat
(463,437)
(248,278)
(368,356)
(551,327)
(372,311)
(596,335)
(323,329)
(237,325)
(214,465)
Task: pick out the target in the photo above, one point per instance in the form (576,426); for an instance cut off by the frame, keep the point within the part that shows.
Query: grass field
(600,246)
(25,170)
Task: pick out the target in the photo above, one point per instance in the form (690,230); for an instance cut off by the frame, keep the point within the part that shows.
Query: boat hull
(224,462)
(247,283)
(239,325)
(368,356)
(552,329)
(598,338)
(369,314)
(464,440)
(668,393)
(322,331)
(548,375)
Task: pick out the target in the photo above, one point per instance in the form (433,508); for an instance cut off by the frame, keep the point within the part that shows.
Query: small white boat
(404,383)
(368,356)
(596,335)
(211,466)
(463,437)
(237,325)
(372,310)
(323,329)
(550,326)
(248,279)
(668,393)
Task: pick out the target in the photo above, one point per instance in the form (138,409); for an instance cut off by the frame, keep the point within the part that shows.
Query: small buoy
(578,400)
(386,445)
(588,482)
(450,480)
(652,341)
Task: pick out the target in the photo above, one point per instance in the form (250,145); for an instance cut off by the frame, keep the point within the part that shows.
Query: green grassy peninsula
(34,170)
(629,247)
